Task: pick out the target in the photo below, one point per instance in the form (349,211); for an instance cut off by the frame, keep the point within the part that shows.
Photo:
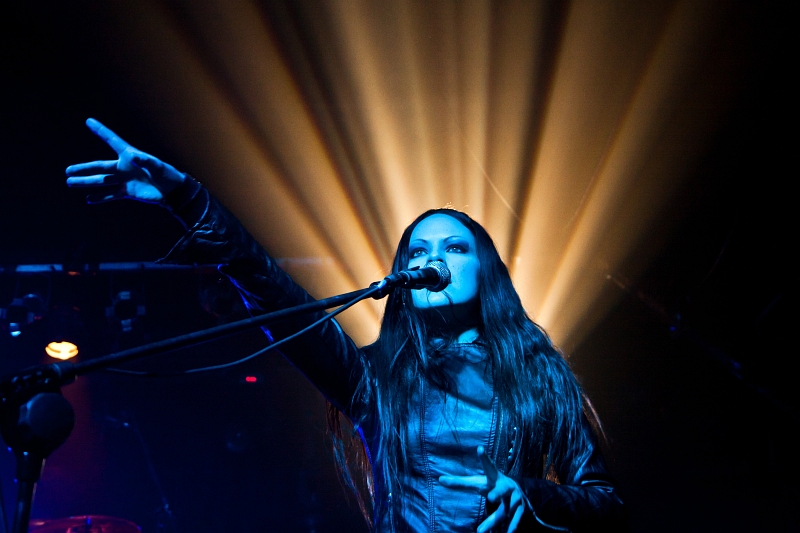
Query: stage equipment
(64,330)
(125,309)
(22,312)
(84,524)
(61,350)
(35,419)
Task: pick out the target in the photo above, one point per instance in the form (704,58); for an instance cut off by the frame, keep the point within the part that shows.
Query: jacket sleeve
(326,355)
(587,501)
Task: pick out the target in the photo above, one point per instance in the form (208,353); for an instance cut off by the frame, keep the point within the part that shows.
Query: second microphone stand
(35,419)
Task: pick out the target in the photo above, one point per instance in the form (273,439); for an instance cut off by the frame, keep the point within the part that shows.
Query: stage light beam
(329,136)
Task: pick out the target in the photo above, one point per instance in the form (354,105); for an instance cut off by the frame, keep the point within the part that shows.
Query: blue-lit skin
(134,174)
(443,238)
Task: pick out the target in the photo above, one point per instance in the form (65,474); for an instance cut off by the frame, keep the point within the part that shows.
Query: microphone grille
(444,275)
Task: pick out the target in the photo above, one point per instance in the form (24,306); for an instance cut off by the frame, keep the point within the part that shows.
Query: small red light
(250,379)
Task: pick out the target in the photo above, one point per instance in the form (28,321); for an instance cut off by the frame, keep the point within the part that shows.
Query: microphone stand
(35,419)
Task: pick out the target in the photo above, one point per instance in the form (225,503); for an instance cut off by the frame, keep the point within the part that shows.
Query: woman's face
(443,238)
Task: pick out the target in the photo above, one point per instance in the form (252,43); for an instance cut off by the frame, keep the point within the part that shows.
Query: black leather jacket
(442,439)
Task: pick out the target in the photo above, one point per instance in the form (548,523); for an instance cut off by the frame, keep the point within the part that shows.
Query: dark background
(690,371)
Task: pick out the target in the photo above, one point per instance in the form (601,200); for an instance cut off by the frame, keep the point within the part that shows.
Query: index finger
(489,467)
(111,138)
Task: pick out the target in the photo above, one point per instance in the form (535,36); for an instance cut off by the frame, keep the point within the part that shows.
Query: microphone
(434,276)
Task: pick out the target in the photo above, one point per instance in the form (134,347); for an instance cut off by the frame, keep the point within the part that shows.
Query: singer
(469,418)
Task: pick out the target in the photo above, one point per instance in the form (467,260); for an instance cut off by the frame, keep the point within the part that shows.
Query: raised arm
(327,356)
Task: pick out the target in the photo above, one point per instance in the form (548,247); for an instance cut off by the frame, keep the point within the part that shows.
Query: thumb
(489,467)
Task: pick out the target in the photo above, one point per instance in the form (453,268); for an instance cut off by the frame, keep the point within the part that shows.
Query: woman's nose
(437,254)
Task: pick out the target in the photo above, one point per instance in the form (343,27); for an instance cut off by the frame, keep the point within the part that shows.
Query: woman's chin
(449,315)
(431,300)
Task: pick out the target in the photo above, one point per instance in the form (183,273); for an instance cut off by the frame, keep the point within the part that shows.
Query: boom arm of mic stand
(54,375)
(39,387)
(215,332)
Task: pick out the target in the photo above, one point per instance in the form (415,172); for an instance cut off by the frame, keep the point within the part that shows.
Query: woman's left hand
(498,489)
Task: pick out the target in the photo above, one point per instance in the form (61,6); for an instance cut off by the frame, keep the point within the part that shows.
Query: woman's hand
(499,489)
(135,174)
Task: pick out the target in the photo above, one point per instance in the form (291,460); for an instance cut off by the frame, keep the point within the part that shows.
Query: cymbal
(84,524)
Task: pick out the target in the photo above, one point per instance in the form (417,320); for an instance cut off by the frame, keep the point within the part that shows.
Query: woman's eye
(456,248)
(417,252)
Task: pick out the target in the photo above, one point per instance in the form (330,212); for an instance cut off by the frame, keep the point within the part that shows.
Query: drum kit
(84,524)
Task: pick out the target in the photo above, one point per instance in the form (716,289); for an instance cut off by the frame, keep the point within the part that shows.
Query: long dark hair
(531,379)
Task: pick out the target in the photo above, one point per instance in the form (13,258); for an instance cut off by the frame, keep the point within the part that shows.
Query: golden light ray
(329,125)
(596,73)
(374,87)
(276,112)
(516,54)
(227,151)
(469,103)
(582,269)
(420,97)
